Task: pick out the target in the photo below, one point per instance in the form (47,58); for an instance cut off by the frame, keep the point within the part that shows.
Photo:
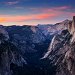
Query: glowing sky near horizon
(33,12)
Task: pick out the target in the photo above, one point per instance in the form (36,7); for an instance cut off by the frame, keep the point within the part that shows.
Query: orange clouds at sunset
(35,11)
(9,18)
(2,20)
(46,15)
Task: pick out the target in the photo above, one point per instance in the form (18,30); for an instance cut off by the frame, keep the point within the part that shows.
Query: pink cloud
(46,13)
(9,18)
(11,3)
(19,7)
(58,11)
(51,9)
(61,8)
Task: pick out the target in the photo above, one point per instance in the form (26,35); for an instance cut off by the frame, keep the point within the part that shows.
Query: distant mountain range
(37,50)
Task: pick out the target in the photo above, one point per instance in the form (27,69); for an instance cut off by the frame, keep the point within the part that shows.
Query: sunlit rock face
(71,28)
(61,51)
(67,65)
(69,60)
(54,29)
(73,25)
(55,48)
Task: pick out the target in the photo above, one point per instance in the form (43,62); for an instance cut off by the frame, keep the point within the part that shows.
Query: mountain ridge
(61,51)
(39,50)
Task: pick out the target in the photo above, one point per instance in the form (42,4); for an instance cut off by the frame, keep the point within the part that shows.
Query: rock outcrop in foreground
(61,52)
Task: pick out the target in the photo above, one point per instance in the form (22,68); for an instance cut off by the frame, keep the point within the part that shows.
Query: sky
(33,12)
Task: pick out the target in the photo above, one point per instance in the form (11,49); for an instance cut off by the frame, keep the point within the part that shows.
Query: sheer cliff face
(66,65)
(61,51)
(69,60)
(62,54)
(73,25)
(71,28)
